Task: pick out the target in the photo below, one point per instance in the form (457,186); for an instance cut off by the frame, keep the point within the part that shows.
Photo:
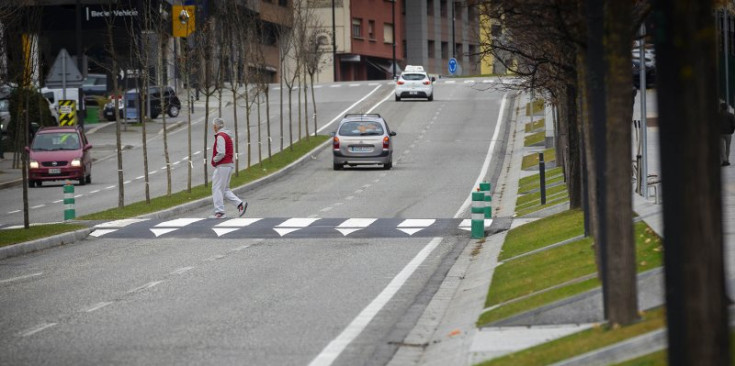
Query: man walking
(222,161)
(727,121)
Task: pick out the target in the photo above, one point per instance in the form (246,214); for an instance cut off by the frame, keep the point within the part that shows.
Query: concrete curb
(43,243)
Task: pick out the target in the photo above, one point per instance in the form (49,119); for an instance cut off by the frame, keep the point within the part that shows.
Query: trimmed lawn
(535,125)
(14,236)
(582,342)
(532,159)
(534,138)
(543,232)
(532,182)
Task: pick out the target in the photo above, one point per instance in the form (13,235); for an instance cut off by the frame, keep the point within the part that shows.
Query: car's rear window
(413,76)
(55,141)
(361,128)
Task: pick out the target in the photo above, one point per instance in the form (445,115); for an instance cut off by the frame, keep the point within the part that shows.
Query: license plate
(54,171)
(361,149)
(413,93)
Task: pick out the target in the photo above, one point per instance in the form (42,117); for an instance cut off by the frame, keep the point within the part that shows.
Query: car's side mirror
(393,133)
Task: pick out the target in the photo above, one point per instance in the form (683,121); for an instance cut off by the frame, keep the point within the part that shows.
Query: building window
(430,7)
(458,51)
(388,33)
(431,49)
(472,54)
(443,8)
(357,28)
(445,50)
(371,30)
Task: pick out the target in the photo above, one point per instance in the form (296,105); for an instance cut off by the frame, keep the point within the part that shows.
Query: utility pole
(393,13)
(334,44)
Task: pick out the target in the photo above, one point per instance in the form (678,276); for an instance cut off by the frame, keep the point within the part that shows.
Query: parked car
(414,82)
(129,105)
(362,139)
(59,153)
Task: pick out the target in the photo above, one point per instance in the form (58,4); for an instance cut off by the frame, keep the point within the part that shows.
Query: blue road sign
(452,65)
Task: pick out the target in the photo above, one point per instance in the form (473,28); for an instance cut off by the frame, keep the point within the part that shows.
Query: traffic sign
(452,66)
(67,113)
(64,72)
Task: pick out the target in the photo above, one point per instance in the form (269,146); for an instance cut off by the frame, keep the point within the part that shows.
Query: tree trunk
(572,160)
(306,109)
(268,120)
(622,302)
(313,101)
(696,309)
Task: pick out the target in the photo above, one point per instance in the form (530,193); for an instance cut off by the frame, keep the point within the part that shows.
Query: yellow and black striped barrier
(67,112)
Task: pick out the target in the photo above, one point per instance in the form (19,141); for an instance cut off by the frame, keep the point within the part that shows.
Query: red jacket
(227,159)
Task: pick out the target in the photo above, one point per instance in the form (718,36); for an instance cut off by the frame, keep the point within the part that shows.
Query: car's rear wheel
(431,97)
(31,183)
(338,166)
(398,99)
(387,166)
(82,180)
(173,111)
(89,178)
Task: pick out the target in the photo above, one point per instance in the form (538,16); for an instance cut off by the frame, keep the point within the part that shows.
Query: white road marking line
(412,226)
(450,82)
(293,224)
(38,206)
(349,226)
(325,209)
(487,81)
(330,353)
(469,81)
(466,224)
(354,85)
(58,201)
(141,177)
(164,168)
(339,116)
(109,187)
(20,277)
(153,172)
(146,286)
(79,195)
(178,223)
(214,258)
(14,211)
(95,191)
(349,197)
(101,232)
(358,191)
(119,223)
(37,329)
(98,306)
(488,159)
(182,270)
(127,182)
(372,84)
(317,86)
(197,153)
(243,247)
(335,86)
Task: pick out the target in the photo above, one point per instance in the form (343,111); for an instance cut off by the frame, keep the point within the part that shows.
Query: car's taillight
(386,143)
(427,82)
(400,82)
(335,143)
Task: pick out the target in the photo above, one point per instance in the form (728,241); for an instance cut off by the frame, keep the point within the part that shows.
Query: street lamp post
(393,14)
(334,44)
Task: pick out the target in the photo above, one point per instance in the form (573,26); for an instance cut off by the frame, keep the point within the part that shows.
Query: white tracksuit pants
(221,188)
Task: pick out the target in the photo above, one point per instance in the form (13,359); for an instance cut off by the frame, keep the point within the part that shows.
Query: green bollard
(478,215)
(69,210)
(485,188)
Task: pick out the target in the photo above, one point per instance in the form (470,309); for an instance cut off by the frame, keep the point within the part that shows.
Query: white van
(54,95)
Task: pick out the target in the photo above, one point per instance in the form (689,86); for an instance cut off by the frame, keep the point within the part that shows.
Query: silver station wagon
(363,139)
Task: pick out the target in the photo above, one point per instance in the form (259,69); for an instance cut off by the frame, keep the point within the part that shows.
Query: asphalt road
(191,297)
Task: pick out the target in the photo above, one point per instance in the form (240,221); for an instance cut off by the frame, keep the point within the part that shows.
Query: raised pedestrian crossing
(274,227)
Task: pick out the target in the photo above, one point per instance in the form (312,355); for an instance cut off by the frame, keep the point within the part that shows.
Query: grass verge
(255,172)
(532,182)
(660,358)
(14,236)
(536,280)
(582,342)
(538,106)
(532,159)
(534,138)
(535,125)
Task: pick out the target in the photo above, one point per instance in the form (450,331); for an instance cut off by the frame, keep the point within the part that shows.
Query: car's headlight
(76,162)
(33,164)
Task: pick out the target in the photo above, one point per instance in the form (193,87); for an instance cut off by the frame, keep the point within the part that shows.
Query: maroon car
(60,153)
